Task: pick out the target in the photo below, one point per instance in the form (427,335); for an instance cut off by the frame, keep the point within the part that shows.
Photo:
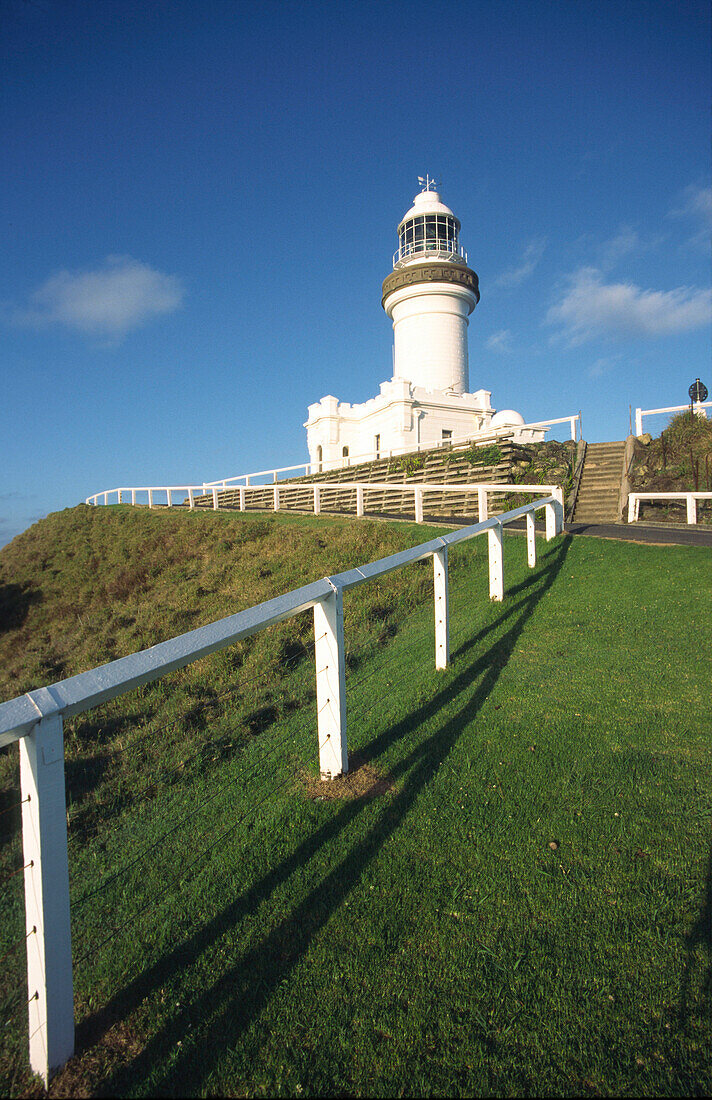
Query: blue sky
(199,203)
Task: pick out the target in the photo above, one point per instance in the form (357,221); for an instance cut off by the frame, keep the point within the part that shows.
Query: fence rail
(640,413)
(309,468)
(315,493)
(690,499)
(36,721)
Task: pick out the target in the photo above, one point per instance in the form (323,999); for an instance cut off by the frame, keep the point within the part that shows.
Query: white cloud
(592,308)
(530,259)
(696,203)
(500,341)
(118,296)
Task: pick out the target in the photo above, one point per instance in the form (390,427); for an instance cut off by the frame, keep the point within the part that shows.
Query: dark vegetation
(510,894)
(679,460)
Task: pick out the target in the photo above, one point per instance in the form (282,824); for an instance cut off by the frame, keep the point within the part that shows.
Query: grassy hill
(510,893)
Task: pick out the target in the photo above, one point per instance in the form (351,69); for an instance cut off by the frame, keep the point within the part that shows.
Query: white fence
(281,493)
(305,469)
(36,721)
(690,499)
(640,413)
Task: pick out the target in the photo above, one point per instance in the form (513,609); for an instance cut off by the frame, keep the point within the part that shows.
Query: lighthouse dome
(428,202)
(506,418)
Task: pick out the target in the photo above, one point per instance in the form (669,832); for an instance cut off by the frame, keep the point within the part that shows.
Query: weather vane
(428,183)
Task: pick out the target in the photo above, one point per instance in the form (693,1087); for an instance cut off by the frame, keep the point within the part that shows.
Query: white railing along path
(36,721)
(640,413)
(690,499)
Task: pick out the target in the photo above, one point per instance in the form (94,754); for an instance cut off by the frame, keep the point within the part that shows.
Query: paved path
(638,532)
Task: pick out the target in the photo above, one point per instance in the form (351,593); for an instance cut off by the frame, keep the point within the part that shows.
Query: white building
(429,296)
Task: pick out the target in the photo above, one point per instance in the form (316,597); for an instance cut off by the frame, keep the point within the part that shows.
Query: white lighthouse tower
(429,296)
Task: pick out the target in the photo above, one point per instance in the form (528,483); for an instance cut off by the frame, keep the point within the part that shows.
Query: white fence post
(49,950)
(573,428)
(550,517)
(531,540)
(317,500)
(106,498)
(559,509)
(631,507)
(276,498)
(359,500)
(242,497)
(331,685)
(150,498)
(691,508)
(418,505)
(496,570)
(440,588)
(133,496)
(482,512)
(638,421)
(215,499)
(191,502)
(169,498)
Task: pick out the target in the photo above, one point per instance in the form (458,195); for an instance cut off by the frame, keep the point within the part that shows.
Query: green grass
(513,895)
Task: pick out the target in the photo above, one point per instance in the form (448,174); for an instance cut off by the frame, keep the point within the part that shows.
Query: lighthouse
(429,296)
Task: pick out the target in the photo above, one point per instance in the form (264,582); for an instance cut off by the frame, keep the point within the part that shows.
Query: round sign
(698,391)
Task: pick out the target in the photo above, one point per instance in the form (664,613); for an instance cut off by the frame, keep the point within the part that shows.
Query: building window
(345,455)
(446,435)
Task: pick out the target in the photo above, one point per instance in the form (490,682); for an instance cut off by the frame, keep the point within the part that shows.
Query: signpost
(697,393)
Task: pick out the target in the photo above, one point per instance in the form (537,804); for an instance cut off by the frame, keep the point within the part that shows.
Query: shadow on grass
(15,601)
(699,940)
(214,1019)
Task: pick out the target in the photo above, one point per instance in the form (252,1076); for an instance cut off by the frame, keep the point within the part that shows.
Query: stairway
(599,491)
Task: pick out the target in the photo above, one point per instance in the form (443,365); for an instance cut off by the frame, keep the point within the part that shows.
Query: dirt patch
(361,781)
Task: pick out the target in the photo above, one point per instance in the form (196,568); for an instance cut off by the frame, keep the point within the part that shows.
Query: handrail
(481,439)
(690,498)
(36,720)
(640,413)
(88,689)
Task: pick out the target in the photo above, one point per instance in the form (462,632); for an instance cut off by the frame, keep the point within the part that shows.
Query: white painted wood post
(638,421)
(559,509)
(276,498)
(442,626)
(169,498)
(106,498)
(150,498)
(49,950)
(133,496)
(247,479)
(531,541)
(359,500)
(573,428)
(191,502)
(274,476)
(631,507)
(496,568)
(691,508)
(242,498)
(317,500)
(550,517)
(418,505)
(482,512)
(215,499)
(331,685)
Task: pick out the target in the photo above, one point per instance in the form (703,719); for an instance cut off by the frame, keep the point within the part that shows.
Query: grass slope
(512,894)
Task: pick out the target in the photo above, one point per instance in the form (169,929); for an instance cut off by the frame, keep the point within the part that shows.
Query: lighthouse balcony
(435,249)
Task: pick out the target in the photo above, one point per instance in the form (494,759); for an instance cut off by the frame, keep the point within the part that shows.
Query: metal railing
(36,721)
(440,248)
(690,499)
(309,468)
(698,406)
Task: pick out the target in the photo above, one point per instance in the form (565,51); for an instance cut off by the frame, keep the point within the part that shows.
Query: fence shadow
(696,982)
(213,1020)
